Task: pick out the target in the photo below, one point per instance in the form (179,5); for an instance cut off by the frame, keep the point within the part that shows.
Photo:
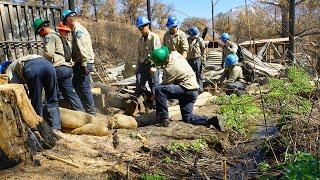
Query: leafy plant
(287,93)
(237,110)
(174,146)
(263,166)
(146,176)
(199,144)
(304,166)
(167,160)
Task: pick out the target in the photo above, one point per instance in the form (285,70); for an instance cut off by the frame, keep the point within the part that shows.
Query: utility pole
(212,16)
(149,12)
(71,5)
(291,30)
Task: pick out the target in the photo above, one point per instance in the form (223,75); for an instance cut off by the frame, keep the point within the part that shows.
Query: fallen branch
(62,160)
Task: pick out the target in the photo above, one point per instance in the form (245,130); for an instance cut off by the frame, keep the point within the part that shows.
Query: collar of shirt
(76,25)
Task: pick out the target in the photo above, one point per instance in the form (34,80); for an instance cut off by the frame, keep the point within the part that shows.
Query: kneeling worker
(37,73)
(232,77)
(179,83)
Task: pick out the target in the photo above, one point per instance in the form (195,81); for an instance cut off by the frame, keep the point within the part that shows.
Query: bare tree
(132,8)
(200,23)
(160,13)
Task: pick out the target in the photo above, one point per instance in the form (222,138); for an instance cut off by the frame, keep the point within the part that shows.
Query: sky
(202,8)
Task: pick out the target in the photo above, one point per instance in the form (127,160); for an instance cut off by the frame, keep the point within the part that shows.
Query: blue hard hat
(224,37)
(231,60)
(4,65)
(142,21)
(172,22)
(66,13)
(193,31)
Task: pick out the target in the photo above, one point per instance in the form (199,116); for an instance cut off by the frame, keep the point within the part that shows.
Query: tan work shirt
(196,48)
(177,42)
(15,69)
(233,74)
(53,50)
(82,51)
(147,45)
(230,48)
(178,71)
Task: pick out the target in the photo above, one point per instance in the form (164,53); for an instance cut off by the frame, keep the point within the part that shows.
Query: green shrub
(304,166)
(146,176)
(263,166)
(237,110)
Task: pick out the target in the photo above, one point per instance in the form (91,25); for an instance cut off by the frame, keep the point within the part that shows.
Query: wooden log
(17,119)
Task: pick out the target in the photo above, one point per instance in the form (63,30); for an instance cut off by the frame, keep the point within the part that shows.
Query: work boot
(165,122)
(217,122)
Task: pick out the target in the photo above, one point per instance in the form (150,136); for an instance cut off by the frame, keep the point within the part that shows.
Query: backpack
(66,49)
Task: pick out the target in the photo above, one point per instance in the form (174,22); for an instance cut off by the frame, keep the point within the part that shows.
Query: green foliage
(237,110)
(263,166)
(304,166)
(286,92)
(175,146)
(146,176)
(198,145)
(167,160)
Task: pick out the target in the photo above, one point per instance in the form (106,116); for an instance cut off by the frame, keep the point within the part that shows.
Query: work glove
(85,70)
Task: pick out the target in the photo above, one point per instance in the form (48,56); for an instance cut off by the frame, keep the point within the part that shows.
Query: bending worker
(54,51)
(196,54)
(179,83)
(232,77)
(175,39)
(83,56)
(38,73)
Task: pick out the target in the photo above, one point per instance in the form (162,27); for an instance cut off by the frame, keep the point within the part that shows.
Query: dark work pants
(64,77)
(235,87)
(196,65)
(40,73)
(143,76)
(186,98)
(81,84)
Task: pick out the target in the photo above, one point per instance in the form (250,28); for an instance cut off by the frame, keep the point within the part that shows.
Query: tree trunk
(18,142)
(284,21)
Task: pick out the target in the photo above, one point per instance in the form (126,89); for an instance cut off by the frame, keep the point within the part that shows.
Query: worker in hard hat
(179,83)
(196,54)
(145,71)
(229,47)
(38,73)
(174,38)
(83,56)
(55,51)
(232,78)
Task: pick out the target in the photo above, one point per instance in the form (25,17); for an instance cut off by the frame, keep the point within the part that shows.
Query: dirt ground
(98,159)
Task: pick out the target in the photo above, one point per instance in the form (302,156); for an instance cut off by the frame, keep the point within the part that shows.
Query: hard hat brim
(44,23)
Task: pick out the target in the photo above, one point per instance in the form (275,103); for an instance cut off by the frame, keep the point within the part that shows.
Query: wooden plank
(5,22)
(14,27)
(2,38)
(23,27)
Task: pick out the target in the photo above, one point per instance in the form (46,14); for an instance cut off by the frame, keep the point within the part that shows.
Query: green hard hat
(159,56)
(38,23)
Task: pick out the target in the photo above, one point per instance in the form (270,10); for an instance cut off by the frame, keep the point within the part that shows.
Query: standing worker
(83,56)
(229,47)
(196,54)
(38,73)
(175,39)
(179,83)
(145,71)
(55,51)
